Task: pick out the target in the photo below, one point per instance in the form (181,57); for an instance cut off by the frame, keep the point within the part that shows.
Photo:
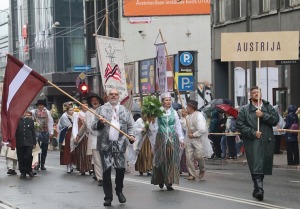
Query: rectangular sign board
(259,46)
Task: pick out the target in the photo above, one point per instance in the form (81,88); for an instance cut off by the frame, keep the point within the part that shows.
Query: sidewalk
(279,161)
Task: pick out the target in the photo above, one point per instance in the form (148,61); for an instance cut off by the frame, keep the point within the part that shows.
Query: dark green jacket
(259,152)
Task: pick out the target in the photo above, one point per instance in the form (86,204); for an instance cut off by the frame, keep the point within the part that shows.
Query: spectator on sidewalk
(291,138)
(215,127)
(278,134)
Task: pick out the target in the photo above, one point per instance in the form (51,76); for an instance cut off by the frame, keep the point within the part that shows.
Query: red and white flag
(21,85)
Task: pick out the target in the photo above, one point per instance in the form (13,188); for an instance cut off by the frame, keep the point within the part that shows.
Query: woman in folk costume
(66,139)
(169,139)
(82,160)
(144,159)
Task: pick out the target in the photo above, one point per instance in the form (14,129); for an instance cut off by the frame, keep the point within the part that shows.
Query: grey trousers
(193,151)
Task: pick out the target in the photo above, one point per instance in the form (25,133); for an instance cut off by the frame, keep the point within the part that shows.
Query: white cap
(165,95)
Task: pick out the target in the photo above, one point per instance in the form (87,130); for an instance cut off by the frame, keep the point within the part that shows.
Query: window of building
(265,6)
(294,2)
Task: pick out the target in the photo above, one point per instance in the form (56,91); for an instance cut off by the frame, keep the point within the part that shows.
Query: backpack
(294,126)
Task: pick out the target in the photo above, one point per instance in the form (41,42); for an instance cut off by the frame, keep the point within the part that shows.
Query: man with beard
(111,144)
(258,138)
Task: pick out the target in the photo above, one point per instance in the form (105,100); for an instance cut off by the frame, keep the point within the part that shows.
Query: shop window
(294,2)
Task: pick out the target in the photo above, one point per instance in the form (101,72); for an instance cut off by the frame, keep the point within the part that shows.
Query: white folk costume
(140,153)
(86,128)
(199,146)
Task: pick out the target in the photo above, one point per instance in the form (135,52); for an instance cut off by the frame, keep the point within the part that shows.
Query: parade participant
(144,160)
(25,142)
(196,140)
(259,143)
(169,139)
(44,130)
(112,145)
(83,161)
(66,140)
(94,102)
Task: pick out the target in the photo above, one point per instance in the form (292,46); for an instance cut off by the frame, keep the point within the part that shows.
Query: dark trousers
(217,145)
(24,154)
(231,146)
(43,154)
(292,149)
(277,144)
(107,185)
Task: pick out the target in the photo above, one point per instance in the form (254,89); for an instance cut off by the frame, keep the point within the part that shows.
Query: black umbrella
(215,102)
(176,106)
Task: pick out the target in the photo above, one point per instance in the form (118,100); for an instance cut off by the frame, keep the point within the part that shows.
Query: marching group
(102,136)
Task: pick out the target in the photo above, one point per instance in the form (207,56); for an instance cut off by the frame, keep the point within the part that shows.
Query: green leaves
(151,107)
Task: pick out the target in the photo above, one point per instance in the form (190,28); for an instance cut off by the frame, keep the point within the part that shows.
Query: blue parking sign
(186,58)
(186,83)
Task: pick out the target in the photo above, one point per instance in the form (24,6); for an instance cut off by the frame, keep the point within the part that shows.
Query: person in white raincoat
(197,144)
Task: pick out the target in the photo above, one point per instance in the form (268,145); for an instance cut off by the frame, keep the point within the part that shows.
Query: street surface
(224,186)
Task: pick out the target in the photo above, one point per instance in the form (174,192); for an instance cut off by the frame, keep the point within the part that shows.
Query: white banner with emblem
(111,60)
(161,68)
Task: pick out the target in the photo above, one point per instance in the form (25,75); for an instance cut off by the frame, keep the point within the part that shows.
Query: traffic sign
(186,58)
(82,68)
(186,83)
(82,76)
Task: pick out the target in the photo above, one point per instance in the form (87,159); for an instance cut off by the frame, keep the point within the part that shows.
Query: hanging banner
(111,60)
(261,46)
(147,76)
(161,68)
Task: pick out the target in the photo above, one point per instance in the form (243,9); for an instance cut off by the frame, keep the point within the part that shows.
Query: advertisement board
(147,76)
(134,8)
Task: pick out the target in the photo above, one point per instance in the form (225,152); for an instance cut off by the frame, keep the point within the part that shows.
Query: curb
(244,163)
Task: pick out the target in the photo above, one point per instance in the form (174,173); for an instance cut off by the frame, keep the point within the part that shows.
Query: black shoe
(91,172)
(107,203)
(258,194)
(83,173)
(94,177)
(43,168)
(11,172)
(121,197)
(141,173)
(149,173)
(30,174)
(22,176)
(100,183)
(161,186)
(169,187)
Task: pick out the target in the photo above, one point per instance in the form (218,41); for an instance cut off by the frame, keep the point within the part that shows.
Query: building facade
(48,36)
(278,80)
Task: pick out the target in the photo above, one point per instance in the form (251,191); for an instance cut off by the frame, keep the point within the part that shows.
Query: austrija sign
(258,46)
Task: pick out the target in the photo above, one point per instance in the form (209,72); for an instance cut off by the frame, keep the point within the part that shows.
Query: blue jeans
(223,146)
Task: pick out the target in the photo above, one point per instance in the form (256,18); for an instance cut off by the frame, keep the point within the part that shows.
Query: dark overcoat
(25,133)
(259,152)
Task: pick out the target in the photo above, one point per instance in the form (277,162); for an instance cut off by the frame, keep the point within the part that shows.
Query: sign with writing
(134,8)
(287,62)
(186,61)
(260,46)
(186,83)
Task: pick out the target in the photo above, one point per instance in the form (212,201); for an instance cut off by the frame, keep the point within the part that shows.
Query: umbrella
(176,106)
(220,101)
(228,109)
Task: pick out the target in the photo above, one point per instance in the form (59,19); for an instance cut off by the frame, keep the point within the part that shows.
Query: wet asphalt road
(224,186)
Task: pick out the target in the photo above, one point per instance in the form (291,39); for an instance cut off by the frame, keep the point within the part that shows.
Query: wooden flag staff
(175,83)
(93,112)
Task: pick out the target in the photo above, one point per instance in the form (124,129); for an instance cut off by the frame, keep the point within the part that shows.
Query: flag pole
(93,112)
(259,92)
(175,83)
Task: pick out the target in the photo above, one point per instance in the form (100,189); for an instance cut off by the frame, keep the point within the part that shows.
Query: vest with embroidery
(41,117)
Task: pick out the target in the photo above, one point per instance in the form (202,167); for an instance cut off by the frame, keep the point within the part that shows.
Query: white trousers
(11,164)
(96,160)
(193,151)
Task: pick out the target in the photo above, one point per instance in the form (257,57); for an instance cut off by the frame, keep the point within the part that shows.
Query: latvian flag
(21,85)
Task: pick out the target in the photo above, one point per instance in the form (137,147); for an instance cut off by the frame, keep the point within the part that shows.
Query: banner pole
(259,92)
(175,83)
